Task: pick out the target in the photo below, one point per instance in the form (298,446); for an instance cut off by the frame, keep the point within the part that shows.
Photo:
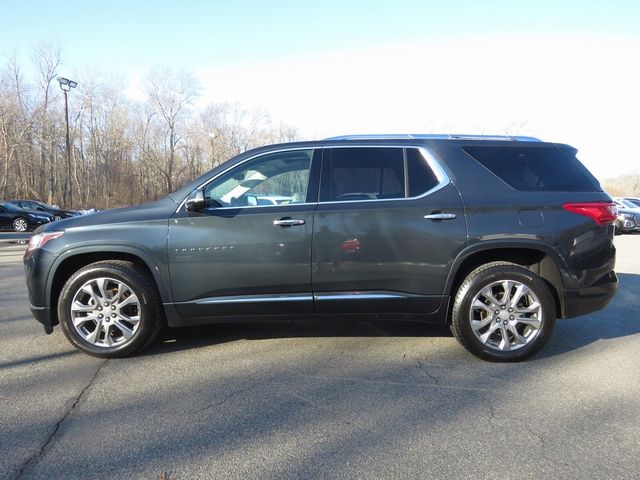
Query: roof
(436,136)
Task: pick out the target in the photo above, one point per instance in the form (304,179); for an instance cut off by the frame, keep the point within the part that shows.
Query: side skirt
(174,319)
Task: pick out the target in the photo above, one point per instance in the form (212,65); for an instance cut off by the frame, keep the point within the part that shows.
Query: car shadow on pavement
(37,359)
(618,319)
(177,339)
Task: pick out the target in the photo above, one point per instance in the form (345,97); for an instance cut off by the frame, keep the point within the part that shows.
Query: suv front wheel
(110,309)
(503,312)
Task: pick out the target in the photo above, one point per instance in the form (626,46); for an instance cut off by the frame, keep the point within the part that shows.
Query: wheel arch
(540,259)
(73,260)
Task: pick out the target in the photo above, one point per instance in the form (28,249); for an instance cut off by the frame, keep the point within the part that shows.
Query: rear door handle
(440,216)
(288,222)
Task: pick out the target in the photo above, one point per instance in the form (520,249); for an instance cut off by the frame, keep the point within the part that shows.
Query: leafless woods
(123,151)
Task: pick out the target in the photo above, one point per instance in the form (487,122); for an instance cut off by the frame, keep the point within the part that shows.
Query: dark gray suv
(496,236)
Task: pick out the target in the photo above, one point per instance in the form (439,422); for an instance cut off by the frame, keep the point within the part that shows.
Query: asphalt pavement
(345,400)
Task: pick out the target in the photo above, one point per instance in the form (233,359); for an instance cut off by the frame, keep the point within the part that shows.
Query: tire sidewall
(499,273)
(147,311)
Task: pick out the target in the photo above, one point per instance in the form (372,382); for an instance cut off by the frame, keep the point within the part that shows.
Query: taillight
(601,213)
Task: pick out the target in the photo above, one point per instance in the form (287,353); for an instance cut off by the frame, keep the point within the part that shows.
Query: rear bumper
(590,299)
(43,315)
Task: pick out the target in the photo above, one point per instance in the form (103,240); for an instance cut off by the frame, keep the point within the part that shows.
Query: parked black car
(19,220)
(496,236)
(58,213)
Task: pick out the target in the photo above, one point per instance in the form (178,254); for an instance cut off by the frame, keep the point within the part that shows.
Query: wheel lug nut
(99,308)
(106,304)
(100,316)
(505,322)
(503,307)
(497,312)
(498,320)
(113,307)
(511,309)
(511,317)
(113,315)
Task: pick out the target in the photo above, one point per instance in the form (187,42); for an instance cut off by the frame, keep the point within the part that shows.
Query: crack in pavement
(35,458)
(424,370)
(224,400)
(356,380)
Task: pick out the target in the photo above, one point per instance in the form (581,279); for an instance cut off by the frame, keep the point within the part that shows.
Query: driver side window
(274,179)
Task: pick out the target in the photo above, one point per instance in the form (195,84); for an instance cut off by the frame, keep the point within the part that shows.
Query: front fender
(157,268)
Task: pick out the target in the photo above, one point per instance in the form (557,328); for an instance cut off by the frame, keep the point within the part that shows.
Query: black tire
(140,282)
(18,220)
(485,276)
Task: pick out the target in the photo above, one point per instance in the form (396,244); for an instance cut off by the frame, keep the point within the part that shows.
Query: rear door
(386,230)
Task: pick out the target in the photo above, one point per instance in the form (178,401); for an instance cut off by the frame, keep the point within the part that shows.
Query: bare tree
(172,94)
(47,61)
(122,151)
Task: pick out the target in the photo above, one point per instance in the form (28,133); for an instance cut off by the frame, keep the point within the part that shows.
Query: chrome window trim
(441,175)
(253,157)
(438,170)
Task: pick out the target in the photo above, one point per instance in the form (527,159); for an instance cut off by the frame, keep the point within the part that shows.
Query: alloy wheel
(106,312)
(506,315)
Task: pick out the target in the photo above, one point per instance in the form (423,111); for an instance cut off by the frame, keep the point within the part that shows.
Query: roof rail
(435,136)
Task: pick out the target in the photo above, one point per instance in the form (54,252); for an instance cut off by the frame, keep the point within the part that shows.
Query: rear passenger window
(421,177)
(536,168)
(366,174)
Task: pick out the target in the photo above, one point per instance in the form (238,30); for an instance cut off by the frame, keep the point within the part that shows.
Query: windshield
(624,203)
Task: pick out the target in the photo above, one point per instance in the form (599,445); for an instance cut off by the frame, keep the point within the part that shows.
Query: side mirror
(195,202)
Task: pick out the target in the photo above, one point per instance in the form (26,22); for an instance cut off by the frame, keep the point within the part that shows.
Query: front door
(249,251)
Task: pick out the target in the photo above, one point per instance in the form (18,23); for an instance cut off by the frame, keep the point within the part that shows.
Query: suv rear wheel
(110,309)
(503,312)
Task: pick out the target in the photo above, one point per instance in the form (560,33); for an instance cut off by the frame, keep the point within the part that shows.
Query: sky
(560,71)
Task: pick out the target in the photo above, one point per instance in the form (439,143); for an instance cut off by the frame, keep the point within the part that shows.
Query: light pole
(212,137)
(66,85)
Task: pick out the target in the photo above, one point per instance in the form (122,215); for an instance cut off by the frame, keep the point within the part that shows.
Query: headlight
(40,217)
(40,240)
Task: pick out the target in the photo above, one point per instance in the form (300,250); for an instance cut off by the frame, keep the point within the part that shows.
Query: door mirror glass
(195,202)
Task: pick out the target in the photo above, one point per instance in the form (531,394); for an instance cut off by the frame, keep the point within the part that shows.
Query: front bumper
(590,299)
(628,224)
(37,266)
(43,315)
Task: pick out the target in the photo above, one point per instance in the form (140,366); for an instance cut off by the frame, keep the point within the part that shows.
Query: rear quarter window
(531,168)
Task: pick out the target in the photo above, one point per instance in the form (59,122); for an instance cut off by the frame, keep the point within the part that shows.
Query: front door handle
(288,222)
(440,216)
